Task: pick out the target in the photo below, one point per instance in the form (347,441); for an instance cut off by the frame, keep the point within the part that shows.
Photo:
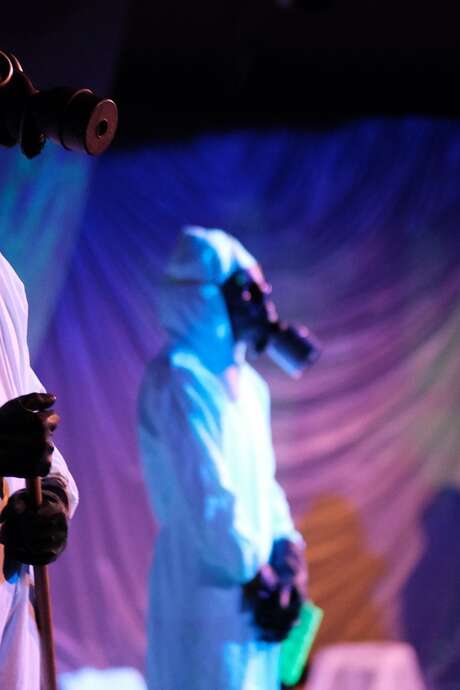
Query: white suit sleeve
(283,526)
(200,477)
(59,467)
(282,523)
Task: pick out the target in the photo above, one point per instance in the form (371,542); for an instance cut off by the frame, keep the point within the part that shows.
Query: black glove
(32,535)
(26,427)
(276,593)
(275,606)
(288,560)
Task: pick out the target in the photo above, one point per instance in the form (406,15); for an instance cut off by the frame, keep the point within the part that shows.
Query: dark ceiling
(178,66)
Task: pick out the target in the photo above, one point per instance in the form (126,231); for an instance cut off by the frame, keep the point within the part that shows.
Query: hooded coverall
(209,467)
(19,641)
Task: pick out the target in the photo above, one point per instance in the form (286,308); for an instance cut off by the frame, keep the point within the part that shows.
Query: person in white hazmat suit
(219,606)
(27,536)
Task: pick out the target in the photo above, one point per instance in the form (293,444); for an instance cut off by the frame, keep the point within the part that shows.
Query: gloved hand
(32,535)
(276,593)
(26,427)
(288,560)
(275,606)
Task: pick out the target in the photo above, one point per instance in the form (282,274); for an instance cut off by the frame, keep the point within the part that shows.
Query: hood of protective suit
(191,307)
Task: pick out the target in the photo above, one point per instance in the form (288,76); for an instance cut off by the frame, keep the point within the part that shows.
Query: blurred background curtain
(357,229)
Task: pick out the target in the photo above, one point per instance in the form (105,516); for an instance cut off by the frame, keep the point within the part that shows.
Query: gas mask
(255,321)
(76,119)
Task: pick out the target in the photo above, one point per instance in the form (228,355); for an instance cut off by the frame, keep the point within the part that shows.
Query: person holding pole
(30,534)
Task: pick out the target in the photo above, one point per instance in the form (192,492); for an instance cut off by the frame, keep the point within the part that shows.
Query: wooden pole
(43,604)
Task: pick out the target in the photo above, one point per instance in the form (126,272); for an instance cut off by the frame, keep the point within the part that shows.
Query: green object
(296,647)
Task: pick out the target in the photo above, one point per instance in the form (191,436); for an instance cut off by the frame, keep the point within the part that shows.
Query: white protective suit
(19,642)
(209,467)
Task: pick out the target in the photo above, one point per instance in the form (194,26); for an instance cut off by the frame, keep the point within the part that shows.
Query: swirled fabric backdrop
(357,229)
(41,207)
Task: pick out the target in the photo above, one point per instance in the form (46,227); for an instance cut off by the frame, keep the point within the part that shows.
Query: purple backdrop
(357,229)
